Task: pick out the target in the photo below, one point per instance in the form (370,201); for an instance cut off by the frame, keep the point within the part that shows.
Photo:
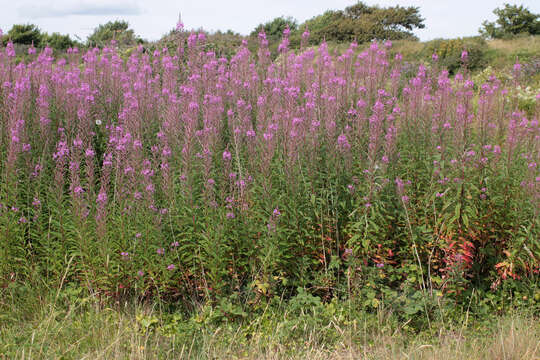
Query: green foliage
(113,30)
(29,34)
(449,52)
(511,20)
(26,34)
(274,28)
(58,41)
(364,23)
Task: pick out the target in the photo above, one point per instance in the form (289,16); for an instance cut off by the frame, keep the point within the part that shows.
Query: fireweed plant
(191,177)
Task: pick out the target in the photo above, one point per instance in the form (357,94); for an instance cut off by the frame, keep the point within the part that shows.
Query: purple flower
(102,197)
(171,267)
(140,273)
(160,251)
(124,254)
(380,265)
(230,215)
(226,155)
(276,212)
(347,252)
(343,142)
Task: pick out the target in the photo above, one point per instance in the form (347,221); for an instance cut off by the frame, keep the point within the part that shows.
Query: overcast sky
(152,18)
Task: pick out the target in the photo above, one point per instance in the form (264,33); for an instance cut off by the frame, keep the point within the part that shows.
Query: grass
(500,53)
(61,326)
(510,46)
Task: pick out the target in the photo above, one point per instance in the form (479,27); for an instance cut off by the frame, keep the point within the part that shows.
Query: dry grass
(531,43)
(111,334)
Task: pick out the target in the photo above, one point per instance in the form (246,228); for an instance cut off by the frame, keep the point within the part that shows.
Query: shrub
(26,34)
(113,30)
(450,52)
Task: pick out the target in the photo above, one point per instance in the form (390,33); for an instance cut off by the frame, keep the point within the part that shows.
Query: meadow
(321,204)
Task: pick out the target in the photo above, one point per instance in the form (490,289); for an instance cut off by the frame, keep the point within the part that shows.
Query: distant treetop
(118,30)
(511,20)
(363,23)
(27,34)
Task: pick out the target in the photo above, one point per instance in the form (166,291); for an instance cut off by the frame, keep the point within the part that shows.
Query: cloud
(60,8)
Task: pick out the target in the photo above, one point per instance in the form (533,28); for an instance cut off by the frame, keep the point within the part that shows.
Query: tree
(58,41)
(364,23)
(25,34)
(118,30)
(511,20)
(274,28)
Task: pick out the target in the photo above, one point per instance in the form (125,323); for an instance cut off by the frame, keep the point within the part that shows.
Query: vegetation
(118,31)
(69,326)
(274,28)
(511,20)
(24,34)
(359,22)
(58,41)
(29,34)
(331,202)
(363,23)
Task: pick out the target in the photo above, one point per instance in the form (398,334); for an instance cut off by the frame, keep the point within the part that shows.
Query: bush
(450,53)
(58,41)
(26,34)
(113,30)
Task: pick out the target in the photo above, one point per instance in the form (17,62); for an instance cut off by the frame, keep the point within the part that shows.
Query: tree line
(359,22)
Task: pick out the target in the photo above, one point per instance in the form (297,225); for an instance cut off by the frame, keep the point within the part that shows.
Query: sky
(153,18)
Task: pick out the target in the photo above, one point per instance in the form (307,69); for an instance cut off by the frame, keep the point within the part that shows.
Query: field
(343,203)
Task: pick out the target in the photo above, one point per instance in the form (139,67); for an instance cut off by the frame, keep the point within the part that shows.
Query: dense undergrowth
(60,325)
(188,179)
